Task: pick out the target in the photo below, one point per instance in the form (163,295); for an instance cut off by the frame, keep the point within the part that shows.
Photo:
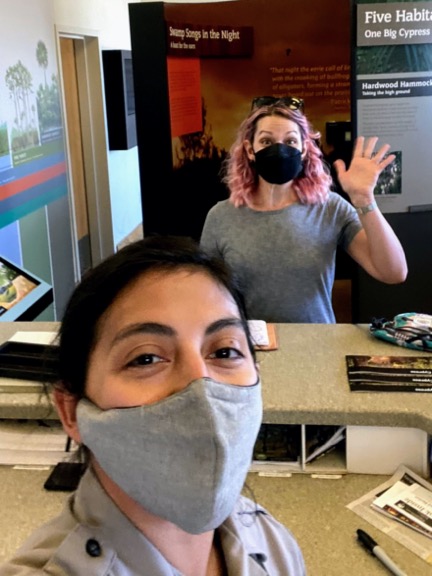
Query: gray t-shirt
(284,259)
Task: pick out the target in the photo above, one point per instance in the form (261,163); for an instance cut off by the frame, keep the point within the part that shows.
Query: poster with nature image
(35,222)
(219,56)
(32,166)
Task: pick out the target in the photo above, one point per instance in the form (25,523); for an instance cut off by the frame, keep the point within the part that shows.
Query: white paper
(34,337)
(33,443)
(418,543)
(414,502)
(259,334)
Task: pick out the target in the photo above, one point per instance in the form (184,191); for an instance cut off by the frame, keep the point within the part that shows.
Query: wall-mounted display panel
(35,215)
(23,296)
(392,99)
(197,68)
(393,96)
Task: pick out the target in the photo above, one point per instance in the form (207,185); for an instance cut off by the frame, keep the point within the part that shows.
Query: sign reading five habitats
(392,96)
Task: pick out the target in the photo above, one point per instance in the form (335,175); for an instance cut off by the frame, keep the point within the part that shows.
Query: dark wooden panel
(375,299)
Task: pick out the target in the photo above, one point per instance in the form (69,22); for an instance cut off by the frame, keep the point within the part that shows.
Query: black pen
(370,544)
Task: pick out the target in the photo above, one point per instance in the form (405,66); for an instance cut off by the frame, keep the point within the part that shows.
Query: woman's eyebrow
(164,330)
(261,132)
(224,323)
(270,132)
(143,328)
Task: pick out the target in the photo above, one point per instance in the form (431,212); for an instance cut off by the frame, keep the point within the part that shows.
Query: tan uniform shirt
(91,537)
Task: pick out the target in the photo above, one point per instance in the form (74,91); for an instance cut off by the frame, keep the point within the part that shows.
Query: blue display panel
(23,296)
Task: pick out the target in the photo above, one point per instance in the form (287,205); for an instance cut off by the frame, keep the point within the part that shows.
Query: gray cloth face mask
(184,458)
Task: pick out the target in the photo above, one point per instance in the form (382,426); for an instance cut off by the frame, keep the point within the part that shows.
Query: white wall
(109,17)
(110,20)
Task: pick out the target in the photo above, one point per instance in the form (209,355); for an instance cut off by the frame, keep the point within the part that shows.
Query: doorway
(76,158)
(87,153)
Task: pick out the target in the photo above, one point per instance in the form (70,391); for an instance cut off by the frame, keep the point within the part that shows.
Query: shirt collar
(94,508)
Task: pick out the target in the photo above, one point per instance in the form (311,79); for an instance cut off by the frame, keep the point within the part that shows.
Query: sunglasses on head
(288,101)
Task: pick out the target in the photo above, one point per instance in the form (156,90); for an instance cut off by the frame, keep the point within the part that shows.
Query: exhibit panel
(197,68)
(23,296)
(35,221)
(392,99)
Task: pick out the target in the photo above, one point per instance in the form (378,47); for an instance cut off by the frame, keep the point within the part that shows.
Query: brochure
(263,335)
(322,439)
(278,447)
(408,502)
(258,331)
(34,443)
(278,443)
(27,360)
(390,373)
(402,508)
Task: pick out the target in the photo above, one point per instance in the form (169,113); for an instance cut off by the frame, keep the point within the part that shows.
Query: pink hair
(311,186)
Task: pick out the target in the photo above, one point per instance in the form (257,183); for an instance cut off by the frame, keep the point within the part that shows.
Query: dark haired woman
(157,379)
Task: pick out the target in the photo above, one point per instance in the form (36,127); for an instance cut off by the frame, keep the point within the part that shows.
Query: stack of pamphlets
(263,335)
(322,439)
(34,442)
(27,361)
(408,502)
(278,443)
(402,508)
(390,373)
(280,446)
(258,331)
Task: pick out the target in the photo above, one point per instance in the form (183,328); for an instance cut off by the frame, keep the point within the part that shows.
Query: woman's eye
(145,360)
(291,142)
(226,353)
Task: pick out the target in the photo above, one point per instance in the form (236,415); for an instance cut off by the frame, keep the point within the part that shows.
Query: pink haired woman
(282,224)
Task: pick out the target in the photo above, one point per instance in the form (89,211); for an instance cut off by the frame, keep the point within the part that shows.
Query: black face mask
(278,163)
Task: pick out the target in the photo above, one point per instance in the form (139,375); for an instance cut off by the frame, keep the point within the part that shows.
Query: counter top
(26,405)
(305,380)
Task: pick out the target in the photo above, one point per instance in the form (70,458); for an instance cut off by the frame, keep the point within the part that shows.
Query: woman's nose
(192,366)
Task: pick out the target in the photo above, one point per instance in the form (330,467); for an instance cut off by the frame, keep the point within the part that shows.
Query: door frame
(94,139)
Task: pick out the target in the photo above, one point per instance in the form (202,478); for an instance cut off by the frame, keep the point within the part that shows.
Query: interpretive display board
(22,295)
(197,68)
(392,99)
(35,215)
(393,77)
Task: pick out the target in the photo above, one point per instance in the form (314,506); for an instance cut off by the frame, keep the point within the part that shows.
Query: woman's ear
(249,150)
(66,405)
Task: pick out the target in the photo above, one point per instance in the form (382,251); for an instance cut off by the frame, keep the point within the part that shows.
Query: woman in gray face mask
(282,224)
(158,380)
